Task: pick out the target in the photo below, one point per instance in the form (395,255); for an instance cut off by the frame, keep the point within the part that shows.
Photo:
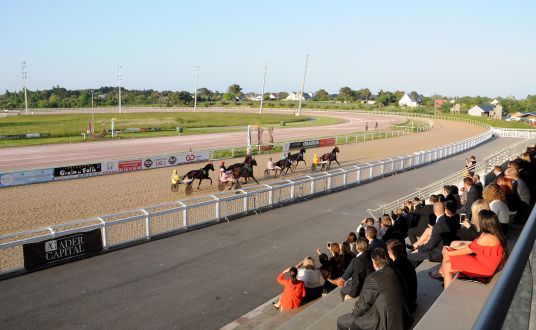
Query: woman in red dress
(483,257)
(294,290)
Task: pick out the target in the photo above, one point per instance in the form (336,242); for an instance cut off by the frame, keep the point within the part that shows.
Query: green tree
(321,95)
(235,89)
(346,94)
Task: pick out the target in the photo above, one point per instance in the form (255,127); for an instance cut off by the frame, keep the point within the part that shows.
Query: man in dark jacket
(382,302)
(425,216)
(397,253)
(432,249)
(357,271)
(473,193)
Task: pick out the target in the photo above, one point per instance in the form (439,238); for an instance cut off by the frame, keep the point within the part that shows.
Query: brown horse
(329,157)
(247,161)
(245,171)
(200,175)
(298,157)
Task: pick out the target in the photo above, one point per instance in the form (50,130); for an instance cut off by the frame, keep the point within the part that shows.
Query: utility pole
(263,84)
(92,115)
(24,82)
(196,83)
(119,79)
(303,85)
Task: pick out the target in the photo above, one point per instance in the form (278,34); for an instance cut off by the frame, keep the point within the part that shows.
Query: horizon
(454,49)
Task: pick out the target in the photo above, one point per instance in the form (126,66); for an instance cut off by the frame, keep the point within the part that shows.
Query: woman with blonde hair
(311,277)
(494,196)
(470,228)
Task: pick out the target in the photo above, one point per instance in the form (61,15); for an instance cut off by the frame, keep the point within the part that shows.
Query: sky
(452,48)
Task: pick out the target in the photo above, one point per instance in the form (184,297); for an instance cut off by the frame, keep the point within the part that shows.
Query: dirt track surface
(40,205)
(80,153)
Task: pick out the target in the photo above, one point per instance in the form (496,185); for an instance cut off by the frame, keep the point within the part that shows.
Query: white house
(408,101)
(480,110)
(295,96)
(494,102)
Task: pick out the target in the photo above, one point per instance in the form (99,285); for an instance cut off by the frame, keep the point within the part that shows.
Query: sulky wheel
(175,187)
(266,173)
(221,185)
(188,190)
(237,185)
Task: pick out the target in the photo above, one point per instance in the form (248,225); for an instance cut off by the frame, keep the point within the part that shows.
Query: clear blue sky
(452,48)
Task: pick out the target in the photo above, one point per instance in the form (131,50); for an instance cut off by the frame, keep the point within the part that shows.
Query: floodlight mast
(119,79)
(263,84)
(196,84)
(303,85)
(24,83)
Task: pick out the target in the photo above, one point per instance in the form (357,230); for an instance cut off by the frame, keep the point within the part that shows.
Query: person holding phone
(483,257)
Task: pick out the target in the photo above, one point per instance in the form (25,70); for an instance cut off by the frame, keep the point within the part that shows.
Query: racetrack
(80,153)
(39,205)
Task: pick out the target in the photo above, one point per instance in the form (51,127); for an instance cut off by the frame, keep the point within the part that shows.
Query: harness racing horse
(298,157)
(247,160)
(328,158)
(245,171)
(200,175)
(280,166)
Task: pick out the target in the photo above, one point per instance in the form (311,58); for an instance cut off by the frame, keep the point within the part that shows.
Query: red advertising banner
(129,165)
(326,142)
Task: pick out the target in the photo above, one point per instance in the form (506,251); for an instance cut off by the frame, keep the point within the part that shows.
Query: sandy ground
(40,205)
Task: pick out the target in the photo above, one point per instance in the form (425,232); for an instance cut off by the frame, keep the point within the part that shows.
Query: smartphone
(463,217)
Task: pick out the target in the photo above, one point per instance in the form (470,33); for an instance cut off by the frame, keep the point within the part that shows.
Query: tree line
(59,97)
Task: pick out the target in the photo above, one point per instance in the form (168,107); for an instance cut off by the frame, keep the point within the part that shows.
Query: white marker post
(196,84)
(249,140)
(113,127)
(303,84)
(119,79)
(24,81)
(263,84)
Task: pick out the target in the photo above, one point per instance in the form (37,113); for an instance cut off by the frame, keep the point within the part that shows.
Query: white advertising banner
(175,159)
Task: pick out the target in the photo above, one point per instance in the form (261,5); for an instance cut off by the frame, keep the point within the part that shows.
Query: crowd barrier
(143,224)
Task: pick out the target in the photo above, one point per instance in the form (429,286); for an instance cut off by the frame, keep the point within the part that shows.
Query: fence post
(104,234)
(185,217)
(147,224)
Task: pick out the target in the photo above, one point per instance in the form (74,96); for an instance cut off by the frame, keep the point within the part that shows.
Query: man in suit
(473,193)
(382,302)
(520,189)
(374,243)
(397,254)
(432,249)
(425,217)
(493,175)
(356,272)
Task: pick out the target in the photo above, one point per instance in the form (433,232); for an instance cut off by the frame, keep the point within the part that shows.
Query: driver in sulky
(270,165)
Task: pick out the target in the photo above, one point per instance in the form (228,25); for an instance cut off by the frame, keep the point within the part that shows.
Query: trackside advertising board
(26,177)
(176,159)
(309,144)
(61,249)
(77,171)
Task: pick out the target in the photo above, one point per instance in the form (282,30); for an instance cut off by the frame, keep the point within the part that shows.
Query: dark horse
(245,171)
(329,157)
(198,175)
(283,164)
(247,160)
(298,157)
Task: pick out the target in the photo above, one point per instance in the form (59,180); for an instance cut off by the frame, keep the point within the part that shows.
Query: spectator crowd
(463,228)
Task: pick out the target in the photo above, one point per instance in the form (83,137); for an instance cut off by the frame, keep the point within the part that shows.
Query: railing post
(147,224)
(104,234)
(185,217)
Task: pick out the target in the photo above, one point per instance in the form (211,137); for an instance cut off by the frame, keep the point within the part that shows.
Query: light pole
(92,115)
(196,83)
(24,82)
(119,79)
(303,85)
(263,83)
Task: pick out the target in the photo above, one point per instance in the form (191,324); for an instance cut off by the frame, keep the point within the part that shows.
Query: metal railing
(484,165)
(143,224)
(497,305)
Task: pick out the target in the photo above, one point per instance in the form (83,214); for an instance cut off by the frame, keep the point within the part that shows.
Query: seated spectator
(312,279)
(347,254)
(456,194)
(478,183)
(425,216)
(336,261)
(492,176)
(512,200)
(449,196)
(483,257)
(325,269)
(352,240)
(374,243)
(397,253)
(401,222)
(357,271)
(390,232)
(496,200)
(363,225)
(453,219)
(432,249)
(472,194)
(294,290)
(519,188)
(382,302)
(469,229)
